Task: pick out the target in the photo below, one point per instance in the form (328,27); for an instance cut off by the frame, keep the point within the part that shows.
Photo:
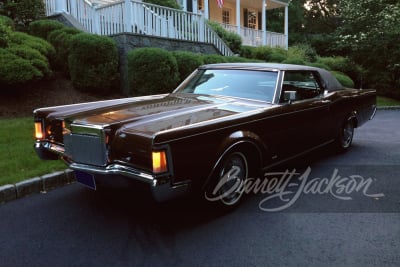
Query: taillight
(159,161)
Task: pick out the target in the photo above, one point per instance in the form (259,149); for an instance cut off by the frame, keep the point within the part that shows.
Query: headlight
(39,133)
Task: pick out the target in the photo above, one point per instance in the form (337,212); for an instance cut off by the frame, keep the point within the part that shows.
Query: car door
(310,114)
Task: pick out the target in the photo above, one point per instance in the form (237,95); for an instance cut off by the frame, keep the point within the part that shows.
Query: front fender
(244,141)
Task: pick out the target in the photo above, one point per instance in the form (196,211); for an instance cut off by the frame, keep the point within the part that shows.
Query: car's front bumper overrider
(161,187)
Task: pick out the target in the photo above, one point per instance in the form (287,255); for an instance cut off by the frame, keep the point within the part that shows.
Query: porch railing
(252,37)
(141,18)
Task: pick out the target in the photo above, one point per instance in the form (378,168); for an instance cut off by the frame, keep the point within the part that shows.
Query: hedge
(231,39)
(5,33)
(301,51)
(61,40)
(44,47)
(16,71)
(37,60)
(319,65)
(152,71)
(296,61)
(247,51)
(24,58)
(42,28)
(212,59)
(187,63)
(93,63)
(345,80)
(335,63)
(234,59)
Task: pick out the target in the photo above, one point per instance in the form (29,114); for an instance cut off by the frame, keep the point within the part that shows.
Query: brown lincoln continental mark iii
(225,123)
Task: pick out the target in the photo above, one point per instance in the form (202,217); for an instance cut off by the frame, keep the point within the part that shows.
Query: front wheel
(346,133)
(227,184)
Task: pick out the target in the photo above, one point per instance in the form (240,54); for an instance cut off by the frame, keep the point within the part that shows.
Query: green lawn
(384,101)
(18,160)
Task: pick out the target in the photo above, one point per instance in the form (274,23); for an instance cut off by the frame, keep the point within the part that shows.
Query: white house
(246,17)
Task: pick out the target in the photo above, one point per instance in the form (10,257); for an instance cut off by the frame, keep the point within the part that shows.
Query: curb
(40,184)
(389,108)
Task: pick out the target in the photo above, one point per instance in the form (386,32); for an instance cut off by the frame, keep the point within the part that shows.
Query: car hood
(173,111)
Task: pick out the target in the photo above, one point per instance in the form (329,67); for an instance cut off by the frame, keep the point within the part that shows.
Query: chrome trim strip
(51,146)
(297,155)
(87,129)
(115,169)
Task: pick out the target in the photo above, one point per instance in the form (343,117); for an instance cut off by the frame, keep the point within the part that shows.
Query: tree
(22,11)
(321,16)
(306,17)
(369,33)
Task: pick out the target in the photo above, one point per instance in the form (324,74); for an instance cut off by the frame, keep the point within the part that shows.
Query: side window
(305,84)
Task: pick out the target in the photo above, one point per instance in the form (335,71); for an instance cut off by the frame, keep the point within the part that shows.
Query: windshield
(250,84)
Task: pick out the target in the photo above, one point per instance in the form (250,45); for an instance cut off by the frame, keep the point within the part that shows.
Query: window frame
(317,80)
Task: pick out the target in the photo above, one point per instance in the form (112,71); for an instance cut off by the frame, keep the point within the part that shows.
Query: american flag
(220,3)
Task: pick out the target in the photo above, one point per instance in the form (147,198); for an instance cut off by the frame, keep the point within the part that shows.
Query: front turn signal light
(39,130)
(159,161)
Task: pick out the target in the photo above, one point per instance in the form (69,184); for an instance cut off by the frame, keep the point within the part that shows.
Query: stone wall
(129,41)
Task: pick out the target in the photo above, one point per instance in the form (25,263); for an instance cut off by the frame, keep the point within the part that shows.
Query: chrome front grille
(85,148)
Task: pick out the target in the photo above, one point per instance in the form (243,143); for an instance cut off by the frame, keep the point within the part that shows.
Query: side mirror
(290,96)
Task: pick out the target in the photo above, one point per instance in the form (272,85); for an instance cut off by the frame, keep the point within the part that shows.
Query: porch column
(286,27)
(61,6)
(238,17)
(195,7)
(206,11)
(184,5)
(128,16)
(264,22)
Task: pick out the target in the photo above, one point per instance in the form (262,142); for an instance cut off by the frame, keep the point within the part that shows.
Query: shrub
(16,71)
(235,59)
(44,47)
(319,65)
(247,51)
(296,61)
(7,21)
(93,63)
(42,28)
(231,39)
(302,51)
(187,63)
(344,65)
(37,60)
(277,57)
(345,80)
(152,71)
(5,33)
(263,53)
(335,63)
(212,59)
(61,40)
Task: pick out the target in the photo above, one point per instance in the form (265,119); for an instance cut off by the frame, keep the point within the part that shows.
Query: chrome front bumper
(161,188)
